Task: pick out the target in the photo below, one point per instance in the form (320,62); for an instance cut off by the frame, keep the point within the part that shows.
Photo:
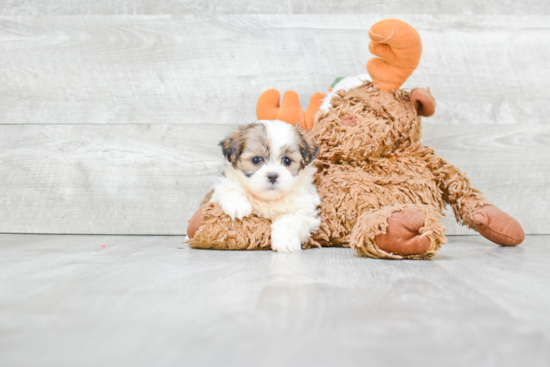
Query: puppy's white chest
(269,210)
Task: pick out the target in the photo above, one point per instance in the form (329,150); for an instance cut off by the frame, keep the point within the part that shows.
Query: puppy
(267,173)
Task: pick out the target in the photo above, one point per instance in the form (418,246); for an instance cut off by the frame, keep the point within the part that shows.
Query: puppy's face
(270,155)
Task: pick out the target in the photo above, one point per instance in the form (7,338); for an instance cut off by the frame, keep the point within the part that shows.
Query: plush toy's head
(377,118)
(366,123)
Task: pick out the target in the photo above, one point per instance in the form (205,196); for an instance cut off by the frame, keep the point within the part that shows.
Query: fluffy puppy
(267,173)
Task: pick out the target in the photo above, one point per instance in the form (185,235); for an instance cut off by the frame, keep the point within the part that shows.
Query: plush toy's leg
(399,232)
(498,226)
(314,103)
(472,209)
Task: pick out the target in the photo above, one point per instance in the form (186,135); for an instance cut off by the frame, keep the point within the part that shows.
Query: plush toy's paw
(236,208)
(498,226)
(403,236)
(283,237)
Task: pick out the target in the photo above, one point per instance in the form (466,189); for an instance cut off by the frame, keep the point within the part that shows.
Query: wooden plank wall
(110,111)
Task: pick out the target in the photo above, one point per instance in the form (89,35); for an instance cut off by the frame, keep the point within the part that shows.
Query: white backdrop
(111,111)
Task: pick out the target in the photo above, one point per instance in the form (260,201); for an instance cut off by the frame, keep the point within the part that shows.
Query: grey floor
(150,301)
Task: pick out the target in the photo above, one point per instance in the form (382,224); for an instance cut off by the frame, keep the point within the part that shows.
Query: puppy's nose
(272,177)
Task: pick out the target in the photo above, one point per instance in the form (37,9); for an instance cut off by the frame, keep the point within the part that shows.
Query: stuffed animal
(382,190)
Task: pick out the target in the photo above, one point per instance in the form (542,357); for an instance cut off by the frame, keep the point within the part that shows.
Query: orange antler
(268,108)
(399,47)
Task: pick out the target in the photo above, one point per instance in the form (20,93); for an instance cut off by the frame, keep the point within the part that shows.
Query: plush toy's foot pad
(194,223)
(409,231)
(498,226)
(402,236)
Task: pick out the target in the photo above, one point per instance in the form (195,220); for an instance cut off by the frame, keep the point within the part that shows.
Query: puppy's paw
(283,240)
(236,208)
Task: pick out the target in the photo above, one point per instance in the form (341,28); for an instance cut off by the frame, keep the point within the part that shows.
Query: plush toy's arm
(458,192)
(472,209)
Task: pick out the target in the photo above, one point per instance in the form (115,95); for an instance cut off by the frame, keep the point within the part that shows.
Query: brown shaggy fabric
(372,224)
(218,232)
(385,122)
(368,170)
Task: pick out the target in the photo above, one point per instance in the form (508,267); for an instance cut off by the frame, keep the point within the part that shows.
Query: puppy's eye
(287,161)
(257,160)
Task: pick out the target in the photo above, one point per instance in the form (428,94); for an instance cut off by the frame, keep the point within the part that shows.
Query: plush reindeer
(382,190)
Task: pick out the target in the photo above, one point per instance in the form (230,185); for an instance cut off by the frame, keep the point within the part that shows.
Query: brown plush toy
(382,191)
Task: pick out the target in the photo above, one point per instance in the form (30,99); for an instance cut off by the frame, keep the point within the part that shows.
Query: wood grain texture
(144,301)
(211,69)
(109,124)
(152,7)
(131,179)
(149,179)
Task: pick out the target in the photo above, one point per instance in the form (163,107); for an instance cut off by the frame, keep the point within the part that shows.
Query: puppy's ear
(308,148)
(232,146)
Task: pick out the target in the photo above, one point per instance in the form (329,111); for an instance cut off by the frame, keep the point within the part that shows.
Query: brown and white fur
(267,173)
